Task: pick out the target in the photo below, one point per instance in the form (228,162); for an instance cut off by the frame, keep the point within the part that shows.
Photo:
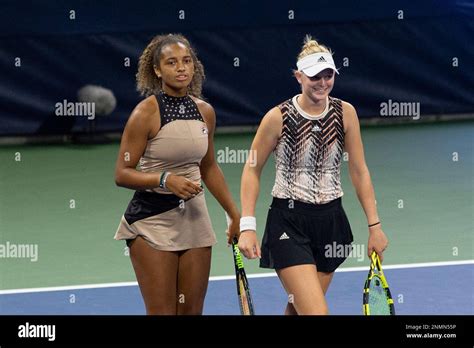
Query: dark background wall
(407,51)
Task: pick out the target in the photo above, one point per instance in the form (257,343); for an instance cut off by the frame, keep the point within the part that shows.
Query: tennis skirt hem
(169,248)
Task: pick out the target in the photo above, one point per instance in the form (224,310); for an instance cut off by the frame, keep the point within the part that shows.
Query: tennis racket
(377,299)
(243,290)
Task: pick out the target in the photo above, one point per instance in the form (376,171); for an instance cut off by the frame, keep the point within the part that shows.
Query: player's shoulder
(147,107)
(346,106)
(278,112)
(349,116)
(144,111)
(285,103)
(206,110)
(203,105)
(274,113)
(273,120)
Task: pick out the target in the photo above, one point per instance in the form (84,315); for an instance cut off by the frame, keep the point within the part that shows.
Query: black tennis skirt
(299,233)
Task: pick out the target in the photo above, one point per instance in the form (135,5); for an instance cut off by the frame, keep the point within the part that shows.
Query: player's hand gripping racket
(377,299)
(243,291)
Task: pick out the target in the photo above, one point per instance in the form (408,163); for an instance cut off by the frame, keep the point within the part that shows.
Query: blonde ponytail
(311,46)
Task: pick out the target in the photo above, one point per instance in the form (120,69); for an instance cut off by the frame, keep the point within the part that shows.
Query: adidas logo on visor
(321,59)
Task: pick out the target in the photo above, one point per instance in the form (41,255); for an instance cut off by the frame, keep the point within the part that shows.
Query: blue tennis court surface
(438,290)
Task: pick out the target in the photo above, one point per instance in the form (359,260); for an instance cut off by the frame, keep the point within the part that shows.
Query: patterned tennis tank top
(181,142)
(308,153)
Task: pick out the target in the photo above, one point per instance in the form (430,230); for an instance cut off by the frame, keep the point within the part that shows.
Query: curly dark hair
(147,81)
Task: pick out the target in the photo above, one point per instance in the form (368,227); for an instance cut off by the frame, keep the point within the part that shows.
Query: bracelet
(248,223)
(161,179)
(377,223)
(165,177)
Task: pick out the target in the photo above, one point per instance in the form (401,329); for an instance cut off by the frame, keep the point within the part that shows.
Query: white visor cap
(315,63)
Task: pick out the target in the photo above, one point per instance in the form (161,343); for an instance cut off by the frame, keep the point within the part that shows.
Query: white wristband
(248,223)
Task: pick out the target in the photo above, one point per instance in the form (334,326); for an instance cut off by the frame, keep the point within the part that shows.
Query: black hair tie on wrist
(377,223)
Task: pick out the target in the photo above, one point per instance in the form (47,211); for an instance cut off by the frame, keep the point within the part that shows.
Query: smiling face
(318,87)
(176,68)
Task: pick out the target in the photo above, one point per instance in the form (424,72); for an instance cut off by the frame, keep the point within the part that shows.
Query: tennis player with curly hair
(166,151)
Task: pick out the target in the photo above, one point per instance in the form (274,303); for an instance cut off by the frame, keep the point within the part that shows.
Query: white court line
(229,277)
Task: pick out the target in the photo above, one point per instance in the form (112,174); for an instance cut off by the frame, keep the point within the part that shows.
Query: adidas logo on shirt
(321,59)
(316,128)
(284,236)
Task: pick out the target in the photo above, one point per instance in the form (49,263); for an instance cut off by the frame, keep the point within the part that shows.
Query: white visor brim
(313,64)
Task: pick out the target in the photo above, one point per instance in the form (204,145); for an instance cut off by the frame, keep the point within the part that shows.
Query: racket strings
(377,298)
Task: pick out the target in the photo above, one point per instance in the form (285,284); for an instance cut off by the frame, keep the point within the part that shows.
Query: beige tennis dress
(161,218)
